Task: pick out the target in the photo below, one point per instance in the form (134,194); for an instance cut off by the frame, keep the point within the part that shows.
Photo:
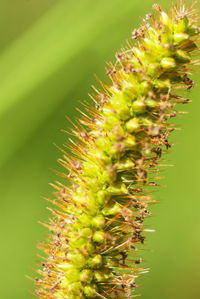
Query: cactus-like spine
(100,220)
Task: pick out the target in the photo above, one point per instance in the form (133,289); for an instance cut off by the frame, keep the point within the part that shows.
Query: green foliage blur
(49,53)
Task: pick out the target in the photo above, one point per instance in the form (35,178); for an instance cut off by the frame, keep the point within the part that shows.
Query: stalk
(98,225)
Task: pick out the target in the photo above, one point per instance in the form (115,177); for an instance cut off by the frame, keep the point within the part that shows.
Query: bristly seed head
(99,223)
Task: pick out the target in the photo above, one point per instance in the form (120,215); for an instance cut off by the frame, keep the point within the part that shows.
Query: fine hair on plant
(97,225)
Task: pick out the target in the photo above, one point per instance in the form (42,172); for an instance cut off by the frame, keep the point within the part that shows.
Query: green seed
(138,106)
(151,103)
(182,56)
(101,276)
(112,210)
(98,221)
(99,237)
(130,141)
(168,63)
(133,125)
(153,69)
(90,291)
(180,37)
(96,261)
(181,25)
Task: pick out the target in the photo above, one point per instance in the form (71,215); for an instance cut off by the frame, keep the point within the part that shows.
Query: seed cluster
(99,224)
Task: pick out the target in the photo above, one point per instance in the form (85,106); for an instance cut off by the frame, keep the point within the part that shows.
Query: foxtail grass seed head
(98,223)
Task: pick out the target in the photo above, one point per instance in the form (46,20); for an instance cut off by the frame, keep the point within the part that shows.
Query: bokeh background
(49,53)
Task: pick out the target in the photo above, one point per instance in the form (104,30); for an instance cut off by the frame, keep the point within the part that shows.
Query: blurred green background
(49,53)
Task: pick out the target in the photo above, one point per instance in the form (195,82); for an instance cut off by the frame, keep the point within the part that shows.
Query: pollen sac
(97,227)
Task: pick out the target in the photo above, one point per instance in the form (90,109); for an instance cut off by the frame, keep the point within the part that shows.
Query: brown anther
(188,81)
(147,17)
(138,219)
(152,184)
(128,69)
(154,130)
(163,117)
(139,33)
(138,190)
(164,97)
(120,137)
(119,147)
(163,105)
(127,214)
(138,261)
(102,98)
(157,151)
(158,25)
(151,95)
(141,172)
(173,114)
(124,256)
(157,7)
(111,72)
(186,101)
(168,46)
(84,135)
(141,238)
(120,56)
(77,165)
(182,15)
